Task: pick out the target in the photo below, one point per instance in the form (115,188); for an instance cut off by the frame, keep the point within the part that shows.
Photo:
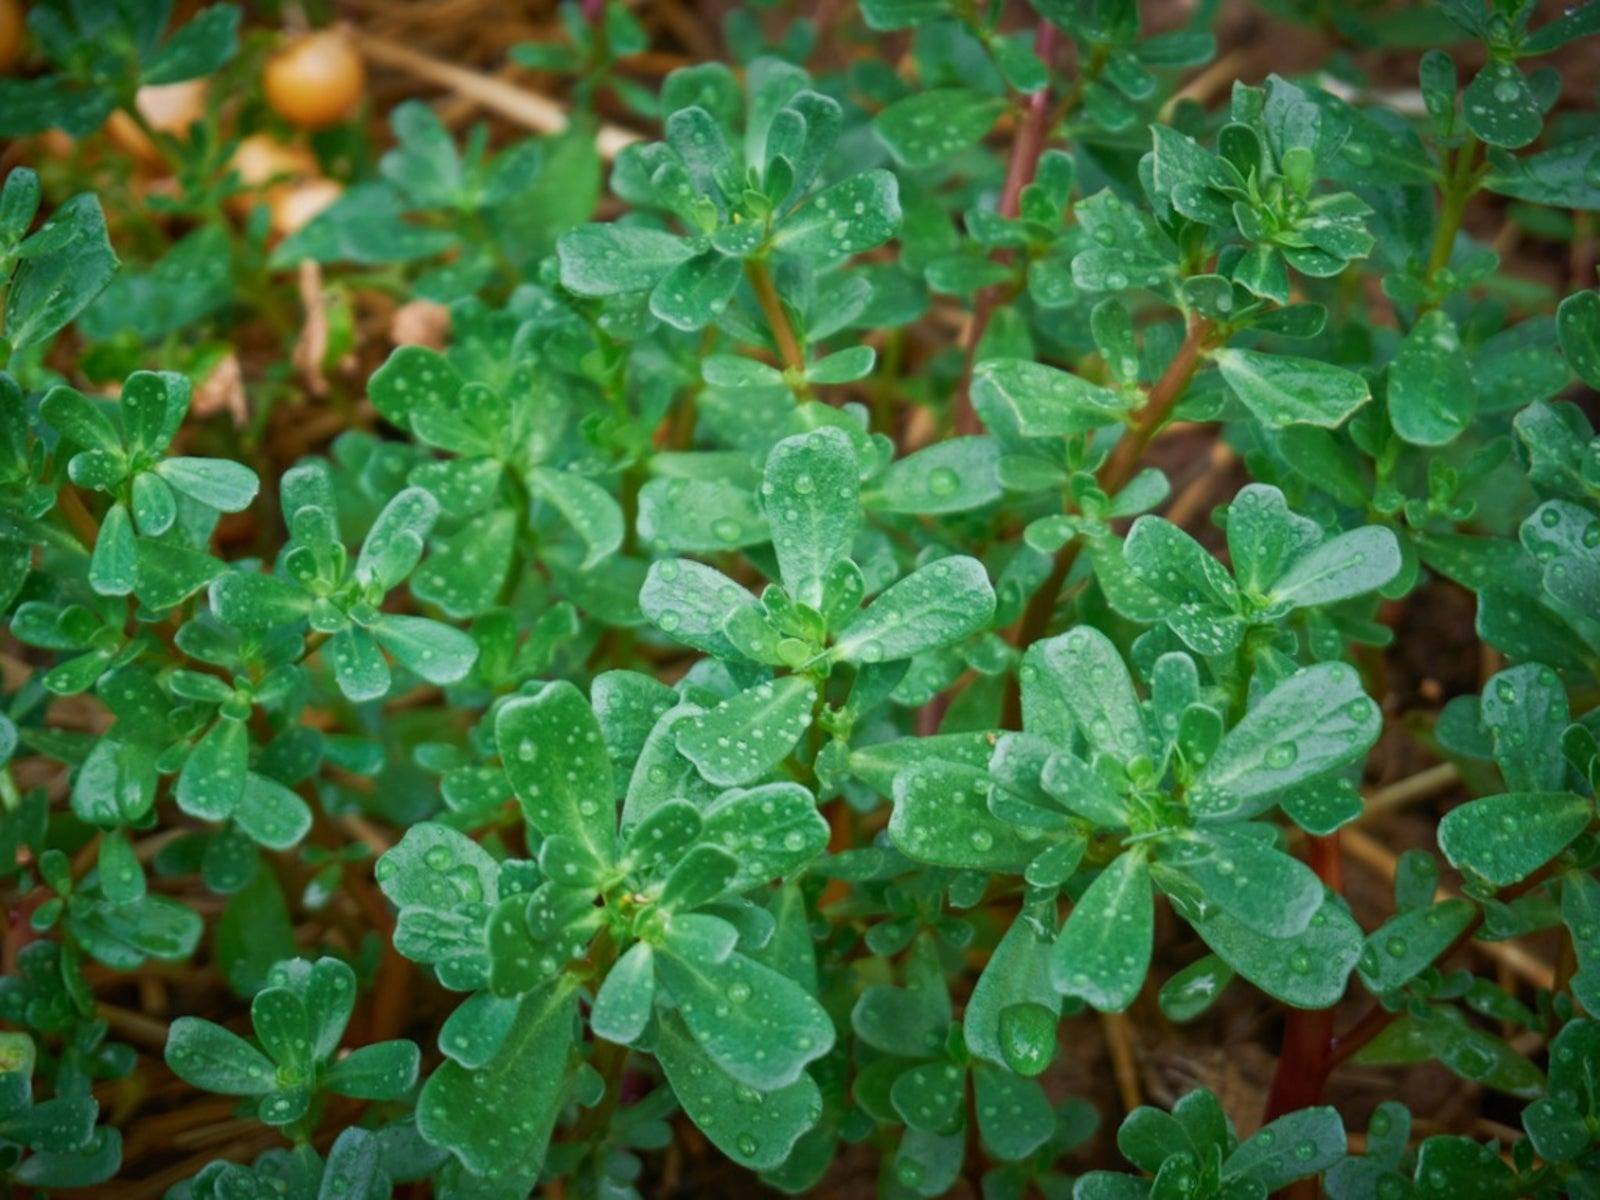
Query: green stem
(1461,182)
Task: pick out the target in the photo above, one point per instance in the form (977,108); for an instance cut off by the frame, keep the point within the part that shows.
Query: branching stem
(759,274)
(1113,475)
(1020,170)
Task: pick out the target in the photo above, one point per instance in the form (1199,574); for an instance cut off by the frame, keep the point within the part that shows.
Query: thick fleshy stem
(793,355)
(1311,1051)
(1020,170)
(1307,1053)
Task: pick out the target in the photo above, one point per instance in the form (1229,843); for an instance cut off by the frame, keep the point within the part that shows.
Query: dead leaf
(420,323)
(311,348)
(223,392)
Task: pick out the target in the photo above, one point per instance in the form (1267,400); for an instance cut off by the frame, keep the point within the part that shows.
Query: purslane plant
(718,689)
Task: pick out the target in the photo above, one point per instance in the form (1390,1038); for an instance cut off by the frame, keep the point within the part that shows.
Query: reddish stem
(1307,1054)
(1113,475)
(1020,170)
(1029,145)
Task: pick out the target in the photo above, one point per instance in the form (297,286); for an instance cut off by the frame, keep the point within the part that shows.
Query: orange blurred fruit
(316,81)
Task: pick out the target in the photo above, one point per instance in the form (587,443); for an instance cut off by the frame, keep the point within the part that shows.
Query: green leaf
(1578,325)
(1349,564)
(748,734)
(1507,838)
(358,665)
(1295,1146)
(256,602)
(929,1097)
(1043,401)
(353,1165)
(1315,722)
(1443,1033)
(270,813)
(394,544)
(844,366)
(700,515)
(852,216)
(496,1119)
(52,288)
(465,573)
(169,573)
(693,603)
(215,1060)
(1501,108)
(114,565)
(810,491)
(772,831)
(1264,536)
(757,1130)
(1430,386)
(121,877)
(1406,944)
(902,14)
(1103,952)
(153,405)
(1095,685)
(625,1000)
(225,486)
(1524,711)
(329,988)
(438,652)
(383,1071)
(368,224)
(737,371)
(1011,1017)
(1280,390)
(52,101)
(198,48)
(1557,1129)
(937,605)
(941,816)
(278,1016)
(698,878)
(1256,884)
(926,128)
(954,475)
(557,763)
(1560,177)
(608,260)
(155,508)
(414,379)
(694,293)
(444,884)
(1204,599)
(757,1025)
(1308,970)
(80,420)
(1580,912)
(1193,990)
